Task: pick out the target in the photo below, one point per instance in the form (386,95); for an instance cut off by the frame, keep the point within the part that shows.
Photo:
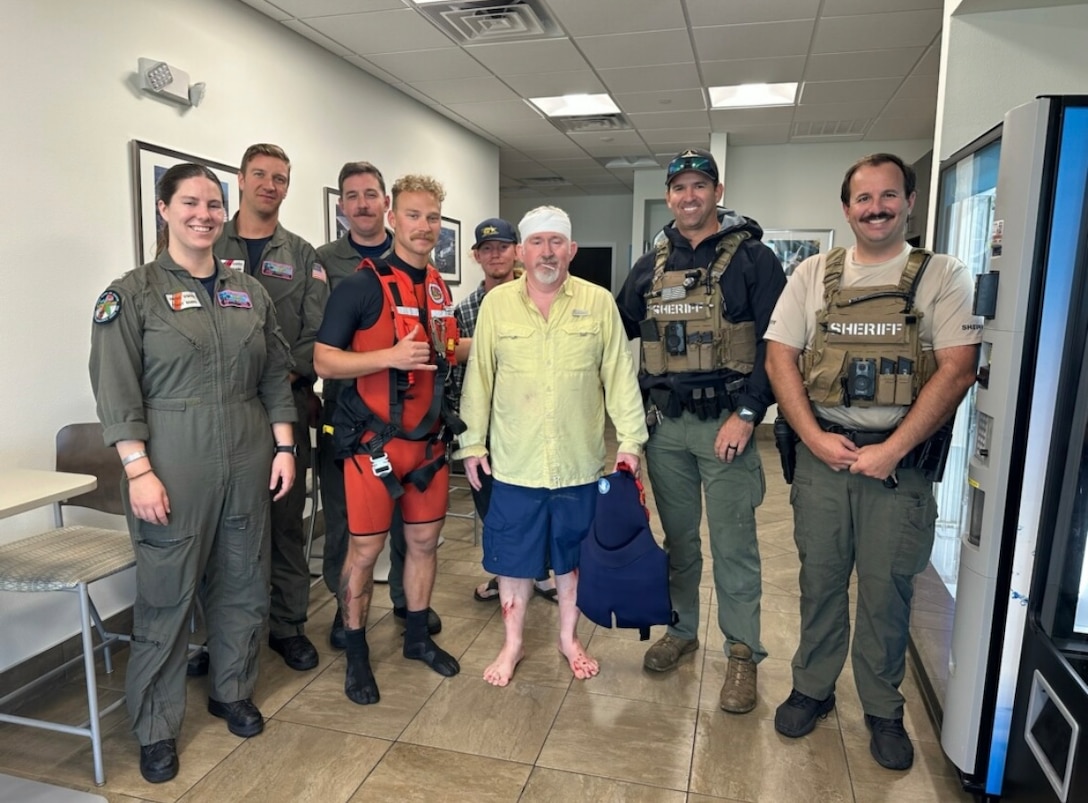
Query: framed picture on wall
(794,246)
(336,222)
(149,162)
(447,253)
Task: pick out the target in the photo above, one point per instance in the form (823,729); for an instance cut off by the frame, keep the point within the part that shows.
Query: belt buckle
(381,466)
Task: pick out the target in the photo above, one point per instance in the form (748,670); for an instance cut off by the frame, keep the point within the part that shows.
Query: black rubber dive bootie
(359,684)
(418,646)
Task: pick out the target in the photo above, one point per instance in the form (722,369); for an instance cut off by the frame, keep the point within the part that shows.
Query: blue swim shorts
(524,526)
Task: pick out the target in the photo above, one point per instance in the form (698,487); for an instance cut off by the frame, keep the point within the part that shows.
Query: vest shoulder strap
(917,263)
(833,267)
(727,246)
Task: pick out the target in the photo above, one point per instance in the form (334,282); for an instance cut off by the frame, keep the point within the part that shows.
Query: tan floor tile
(460,567)
(775,600)
(622,674)
(627,740)
(931,778)
(744,758)
(546,786)
(386,639)
(542,665)
(411,772)
(267,768)
(468,715)
(277,683)
(404,686)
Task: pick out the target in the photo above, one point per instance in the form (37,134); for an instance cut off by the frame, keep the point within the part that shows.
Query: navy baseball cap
(692,159)
(495,228)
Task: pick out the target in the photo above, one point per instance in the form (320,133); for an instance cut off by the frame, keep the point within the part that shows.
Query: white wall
(69,114)
(999,60)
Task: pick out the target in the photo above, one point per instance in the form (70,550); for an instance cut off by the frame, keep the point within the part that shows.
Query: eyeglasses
(701,163)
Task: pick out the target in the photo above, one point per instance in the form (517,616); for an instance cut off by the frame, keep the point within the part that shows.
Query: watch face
(746,414)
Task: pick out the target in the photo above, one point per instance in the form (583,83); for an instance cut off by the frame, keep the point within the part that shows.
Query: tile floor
(626,735)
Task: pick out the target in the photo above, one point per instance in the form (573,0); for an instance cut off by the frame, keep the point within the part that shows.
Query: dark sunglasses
(700,163)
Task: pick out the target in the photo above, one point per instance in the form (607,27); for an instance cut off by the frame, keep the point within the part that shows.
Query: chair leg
(95,723)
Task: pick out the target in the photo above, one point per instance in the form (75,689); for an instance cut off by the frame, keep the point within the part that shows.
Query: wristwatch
(282,449)
(747,415)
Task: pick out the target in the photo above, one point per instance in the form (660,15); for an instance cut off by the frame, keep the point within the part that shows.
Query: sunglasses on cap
(701,163)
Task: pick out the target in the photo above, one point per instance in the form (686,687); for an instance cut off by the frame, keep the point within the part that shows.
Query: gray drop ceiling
(867,69)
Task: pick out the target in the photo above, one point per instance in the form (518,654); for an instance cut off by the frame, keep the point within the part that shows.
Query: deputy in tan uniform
(189,370)
(255,243)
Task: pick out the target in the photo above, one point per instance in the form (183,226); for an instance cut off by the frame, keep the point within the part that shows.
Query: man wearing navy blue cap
(700,302)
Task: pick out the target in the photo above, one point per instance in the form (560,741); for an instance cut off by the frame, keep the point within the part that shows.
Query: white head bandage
(544,219)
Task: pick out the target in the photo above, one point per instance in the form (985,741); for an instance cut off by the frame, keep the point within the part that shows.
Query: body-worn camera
(676,337)
(861,380)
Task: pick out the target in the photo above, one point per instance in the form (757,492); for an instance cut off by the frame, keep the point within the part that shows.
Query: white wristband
(132,458)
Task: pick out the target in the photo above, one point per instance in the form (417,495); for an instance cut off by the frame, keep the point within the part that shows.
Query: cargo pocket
(917,515)
(165,565)
(653,357)
(242,547)
(824,380)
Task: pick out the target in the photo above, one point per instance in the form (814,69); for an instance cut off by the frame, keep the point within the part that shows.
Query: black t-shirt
(356,303)
(254,249)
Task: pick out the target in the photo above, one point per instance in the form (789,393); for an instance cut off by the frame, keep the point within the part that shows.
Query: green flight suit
(200,378)
(291,273)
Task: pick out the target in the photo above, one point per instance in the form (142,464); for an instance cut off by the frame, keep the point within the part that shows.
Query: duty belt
(863,437)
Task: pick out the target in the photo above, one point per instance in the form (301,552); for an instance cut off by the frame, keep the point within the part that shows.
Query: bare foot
(581,664)
(502,668)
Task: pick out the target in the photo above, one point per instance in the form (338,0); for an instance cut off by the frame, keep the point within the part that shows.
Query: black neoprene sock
(359,684)
(419,646)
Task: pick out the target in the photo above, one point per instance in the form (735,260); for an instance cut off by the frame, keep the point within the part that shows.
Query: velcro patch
(278,269)
(107,307)
(183,299)
(235,298)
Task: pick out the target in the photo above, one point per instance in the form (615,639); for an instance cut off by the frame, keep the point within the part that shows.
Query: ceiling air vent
(476,22)
(833,129)
(591,123)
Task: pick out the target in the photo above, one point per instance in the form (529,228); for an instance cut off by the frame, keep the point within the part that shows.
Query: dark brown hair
(359,169)
(168,186)
(875,160)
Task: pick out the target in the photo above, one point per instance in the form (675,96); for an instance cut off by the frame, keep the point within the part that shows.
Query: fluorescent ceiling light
(576,105)
(747,95)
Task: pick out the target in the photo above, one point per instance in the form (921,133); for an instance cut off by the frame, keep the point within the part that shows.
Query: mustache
(877,216)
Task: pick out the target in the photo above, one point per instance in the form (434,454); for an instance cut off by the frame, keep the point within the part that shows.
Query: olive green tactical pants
(843,521)
(681,464)
(290,571)
(218,530)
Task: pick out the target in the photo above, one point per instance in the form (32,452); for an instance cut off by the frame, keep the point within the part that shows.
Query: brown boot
(739,690)
(665,654)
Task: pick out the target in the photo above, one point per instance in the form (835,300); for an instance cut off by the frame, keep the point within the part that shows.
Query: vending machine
(1032,298)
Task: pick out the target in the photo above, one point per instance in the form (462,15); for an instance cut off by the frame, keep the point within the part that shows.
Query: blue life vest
(622,572)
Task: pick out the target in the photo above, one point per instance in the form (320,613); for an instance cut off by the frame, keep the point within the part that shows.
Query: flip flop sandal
(491,593)
(550,594)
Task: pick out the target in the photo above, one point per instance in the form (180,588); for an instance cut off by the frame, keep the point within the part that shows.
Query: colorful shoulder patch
(435,292)
(107,307)
(318,273)
(278,269)
(235,298)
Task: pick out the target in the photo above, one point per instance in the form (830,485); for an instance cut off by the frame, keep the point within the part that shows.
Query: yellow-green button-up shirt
(538,388)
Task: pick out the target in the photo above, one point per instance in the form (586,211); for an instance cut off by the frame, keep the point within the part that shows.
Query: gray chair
(71,559)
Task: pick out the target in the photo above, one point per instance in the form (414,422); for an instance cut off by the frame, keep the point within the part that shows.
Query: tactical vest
(867,349)
(685,330)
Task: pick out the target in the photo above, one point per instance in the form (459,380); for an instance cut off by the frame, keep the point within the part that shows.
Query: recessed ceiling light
(575,105)
(747,95)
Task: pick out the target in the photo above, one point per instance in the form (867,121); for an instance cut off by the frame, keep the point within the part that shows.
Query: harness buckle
(380,465)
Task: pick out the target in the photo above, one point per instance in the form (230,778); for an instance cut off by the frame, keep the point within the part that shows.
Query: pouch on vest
(623,575)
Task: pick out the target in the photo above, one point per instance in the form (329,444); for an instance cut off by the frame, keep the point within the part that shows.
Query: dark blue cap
(495,228)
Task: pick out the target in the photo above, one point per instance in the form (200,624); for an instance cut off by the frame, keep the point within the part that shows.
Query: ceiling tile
(918,86)
(421,65)
(549,155)
(846,91)
(616,138)
(466,90)
(317,37)
(757,40)
(618,50)
(715,12)
(693,134)
(899,128)
(268,9)
(668,120)
(554,140)
(911,107)
(582,18)
(892,63)
(876,31)
(760,135)
(931,61)
(486,113)
(671,100)
(843,8)
(523,127)
(371,69)
(650,79)
(304,9)
(726,119)
(382,31)
(549,84)
(753,71)
(821,112)
(522,58)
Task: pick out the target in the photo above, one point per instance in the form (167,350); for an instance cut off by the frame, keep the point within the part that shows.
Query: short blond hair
(417,183)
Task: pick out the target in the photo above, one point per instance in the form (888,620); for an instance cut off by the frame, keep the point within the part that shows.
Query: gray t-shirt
(944,296)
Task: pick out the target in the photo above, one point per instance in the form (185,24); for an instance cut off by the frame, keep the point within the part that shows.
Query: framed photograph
(447,253)
(149,162)
(793,246)
(336,222)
